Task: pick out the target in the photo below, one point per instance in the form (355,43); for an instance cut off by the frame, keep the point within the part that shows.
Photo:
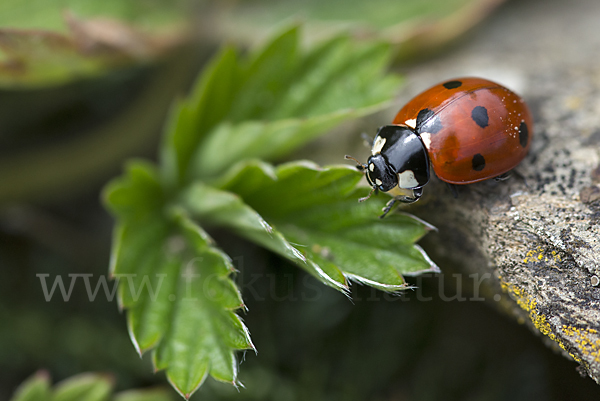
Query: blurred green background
(76,100)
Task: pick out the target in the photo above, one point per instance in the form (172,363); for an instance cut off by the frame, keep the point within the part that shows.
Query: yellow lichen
(540,254)
(583,337)
(585,340)
(587,345)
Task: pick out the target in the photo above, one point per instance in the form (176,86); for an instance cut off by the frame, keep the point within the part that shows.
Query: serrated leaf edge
(187,395)
(135,343)
(390,288)
(432,269)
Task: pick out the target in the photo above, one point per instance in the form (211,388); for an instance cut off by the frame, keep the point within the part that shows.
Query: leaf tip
(253,347)
(189,393)
(134,341)
(237,384)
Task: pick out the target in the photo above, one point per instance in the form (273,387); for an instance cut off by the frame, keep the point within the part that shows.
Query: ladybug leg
(388,207)
(416,195)
(453,190)
(503,177)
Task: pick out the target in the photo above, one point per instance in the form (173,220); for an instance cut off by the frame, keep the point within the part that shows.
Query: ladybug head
(399,164)
(380,174)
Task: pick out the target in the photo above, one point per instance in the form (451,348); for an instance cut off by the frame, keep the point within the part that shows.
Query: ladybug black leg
(388,207)
(453,190)
(416,195)
(502,177)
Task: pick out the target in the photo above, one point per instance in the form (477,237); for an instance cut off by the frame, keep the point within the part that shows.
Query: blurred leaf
(157,394)
(39,57)
(316,210)
(415,26)
(137,195)
(48,14)
(273,101)
(36,388)
(83,387)
(175,285)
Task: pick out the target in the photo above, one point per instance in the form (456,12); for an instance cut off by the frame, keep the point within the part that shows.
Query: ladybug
(466,130)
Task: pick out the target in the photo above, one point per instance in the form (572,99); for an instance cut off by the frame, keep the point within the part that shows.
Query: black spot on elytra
(480,116)
(422,117)
(478,162)
(452,84)
(523,134)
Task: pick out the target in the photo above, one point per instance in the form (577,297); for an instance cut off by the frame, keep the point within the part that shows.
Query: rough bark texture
(536,237)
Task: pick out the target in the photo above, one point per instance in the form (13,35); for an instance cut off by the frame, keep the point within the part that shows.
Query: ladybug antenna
(359,166)
(373,190)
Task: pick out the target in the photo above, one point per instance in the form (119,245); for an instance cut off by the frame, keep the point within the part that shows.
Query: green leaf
(175,285)
(218,207)
(271,102)
(191,119)
(144,395)
(36,388)
(84,387)
(137,195)
(264,77)
(259,139)
(317,210)
(174,282)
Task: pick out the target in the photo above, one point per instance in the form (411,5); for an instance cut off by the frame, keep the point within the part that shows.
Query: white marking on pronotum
(378,181)
(406,179)
(426,138)
(411,123)
(378,145)
(371,167)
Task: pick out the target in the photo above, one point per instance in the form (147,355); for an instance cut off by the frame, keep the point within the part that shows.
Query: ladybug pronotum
(467,130)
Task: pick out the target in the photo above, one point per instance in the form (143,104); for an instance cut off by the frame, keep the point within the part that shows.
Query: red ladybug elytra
(466,129)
